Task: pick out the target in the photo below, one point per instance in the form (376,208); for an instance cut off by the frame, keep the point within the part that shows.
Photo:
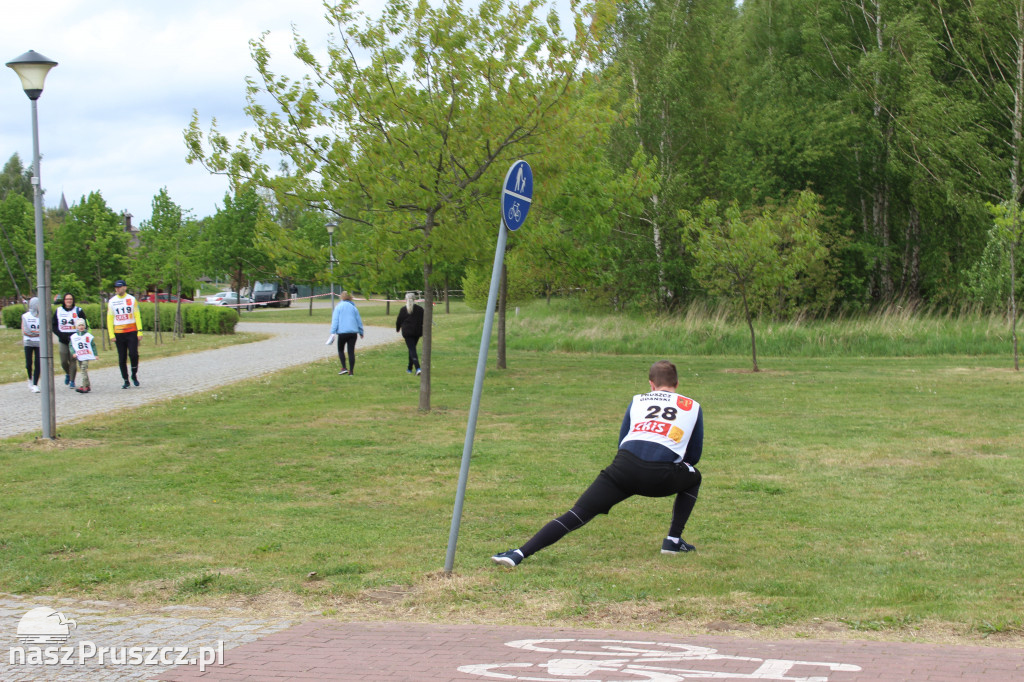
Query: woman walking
(346,323)
(30,326)
(410,323)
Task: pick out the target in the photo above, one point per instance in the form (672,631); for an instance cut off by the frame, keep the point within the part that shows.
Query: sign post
(516,197)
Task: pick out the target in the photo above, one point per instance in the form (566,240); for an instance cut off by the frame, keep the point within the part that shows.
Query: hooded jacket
(30,324)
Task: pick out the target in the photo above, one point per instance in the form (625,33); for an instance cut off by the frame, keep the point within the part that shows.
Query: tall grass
(699,330)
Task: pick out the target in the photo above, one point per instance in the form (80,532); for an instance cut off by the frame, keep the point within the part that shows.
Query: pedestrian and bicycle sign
(516,195)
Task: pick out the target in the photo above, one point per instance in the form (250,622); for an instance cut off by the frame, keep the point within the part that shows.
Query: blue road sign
(516,195)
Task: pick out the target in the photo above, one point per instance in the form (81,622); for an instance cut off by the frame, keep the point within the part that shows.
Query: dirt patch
(50,444)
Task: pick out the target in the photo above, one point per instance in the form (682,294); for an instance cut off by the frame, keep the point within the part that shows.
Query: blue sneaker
(67,379)
(511,558)
(671,547)
(71,384)
(408,371)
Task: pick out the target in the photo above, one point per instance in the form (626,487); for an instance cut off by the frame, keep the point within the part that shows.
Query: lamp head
(32,68)
(331,226)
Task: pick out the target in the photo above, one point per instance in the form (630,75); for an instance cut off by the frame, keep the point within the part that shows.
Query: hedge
(197,318)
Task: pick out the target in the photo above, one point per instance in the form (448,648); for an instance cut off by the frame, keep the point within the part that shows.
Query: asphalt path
(290,344)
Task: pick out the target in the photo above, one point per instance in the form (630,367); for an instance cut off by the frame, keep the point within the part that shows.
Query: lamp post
(32,68)
(330,234)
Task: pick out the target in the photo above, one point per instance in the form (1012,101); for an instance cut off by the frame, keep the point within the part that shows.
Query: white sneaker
(419,372)
(30,384)
(34,388)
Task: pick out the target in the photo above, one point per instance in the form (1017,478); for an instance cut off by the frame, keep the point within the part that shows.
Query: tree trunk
(428,337)
(156,318)
(502,306)
(179,324)
(447,304)
(911,280)
(750,325)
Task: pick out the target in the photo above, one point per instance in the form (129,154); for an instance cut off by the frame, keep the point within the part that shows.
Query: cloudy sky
(130,73)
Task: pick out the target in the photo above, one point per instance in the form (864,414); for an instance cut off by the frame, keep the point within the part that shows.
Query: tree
(1009,234)
(762,259)
(167,255)
(673,58)
(17,246)
(985,40)
(413,120)
(91,244)
(15,178)
(229,238)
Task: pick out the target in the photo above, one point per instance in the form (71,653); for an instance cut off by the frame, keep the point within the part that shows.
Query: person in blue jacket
(660,443)
(346,323)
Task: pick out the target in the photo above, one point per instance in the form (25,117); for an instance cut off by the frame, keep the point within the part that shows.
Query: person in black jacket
(410,323)
(65,318)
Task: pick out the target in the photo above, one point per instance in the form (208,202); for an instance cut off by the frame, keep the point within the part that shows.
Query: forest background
(872,150)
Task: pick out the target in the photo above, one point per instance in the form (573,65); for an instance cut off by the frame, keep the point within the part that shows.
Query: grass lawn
(12,353)
(874,494)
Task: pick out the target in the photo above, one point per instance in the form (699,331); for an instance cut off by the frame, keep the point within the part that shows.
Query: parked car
(218,297)
(231,298)
(273,294)
(166,298)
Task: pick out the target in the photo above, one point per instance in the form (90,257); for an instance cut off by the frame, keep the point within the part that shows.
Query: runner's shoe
(126,385)
(135,381)
(82,389)
(344,371)
(511,558)
(67,379)
(71,384)
(671,547)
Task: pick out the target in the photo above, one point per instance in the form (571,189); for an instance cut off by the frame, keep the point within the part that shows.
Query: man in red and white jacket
(661,439)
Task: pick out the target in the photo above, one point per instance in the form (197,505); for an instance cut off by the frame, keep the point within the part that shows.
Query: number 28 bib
(664,418)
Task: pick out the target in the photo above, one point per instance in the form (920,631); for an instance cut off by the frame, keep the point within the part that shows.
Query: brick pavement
(394,652)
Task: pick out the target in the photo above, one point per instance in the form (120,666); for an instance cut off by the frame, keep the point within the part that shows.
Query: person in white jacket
(30,326)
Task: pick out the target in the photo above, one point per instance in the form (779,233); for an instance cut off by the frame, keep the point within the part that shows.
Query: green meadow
(868,480)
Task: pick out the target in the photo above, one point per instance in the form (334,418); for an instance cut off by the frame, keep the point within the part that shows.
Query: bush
(197,318)
(11,315)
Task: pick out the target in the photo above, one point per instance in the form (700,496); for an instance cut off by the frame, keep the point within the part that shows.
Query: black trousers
(347,342)
(127,344)
(626,476)
(32,363)
(414,359)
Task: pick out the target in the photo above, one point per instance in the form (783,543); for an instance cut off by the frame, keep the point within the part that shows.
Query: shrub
(11,315)
(197,318)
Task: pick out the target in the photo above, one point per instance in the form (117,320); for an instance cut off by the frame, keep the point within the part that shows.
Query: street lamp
(330,234)
(32,68)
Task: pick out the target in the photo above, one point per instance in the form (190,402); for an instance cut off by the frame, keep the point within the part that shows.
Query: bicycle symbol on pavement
(514,214)
(614,660)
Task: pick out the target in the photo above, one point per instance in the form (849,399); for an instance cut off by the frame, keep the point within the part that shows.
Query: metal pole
(478,388)
(42,289)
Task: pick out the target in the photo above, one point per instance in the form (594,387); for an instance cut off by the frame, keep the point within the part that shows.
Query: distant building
(133,232)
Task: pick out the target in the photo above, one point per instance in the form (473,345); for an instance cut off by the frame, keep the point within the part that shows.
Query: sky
(129,75)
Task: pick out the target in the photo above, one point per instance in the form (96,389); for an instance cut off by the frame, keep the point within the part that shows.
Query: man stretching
(660,441)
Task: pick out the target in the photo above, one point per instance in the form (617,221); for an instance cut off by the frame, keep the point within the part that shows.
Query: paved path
(236,645)
(291,344)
